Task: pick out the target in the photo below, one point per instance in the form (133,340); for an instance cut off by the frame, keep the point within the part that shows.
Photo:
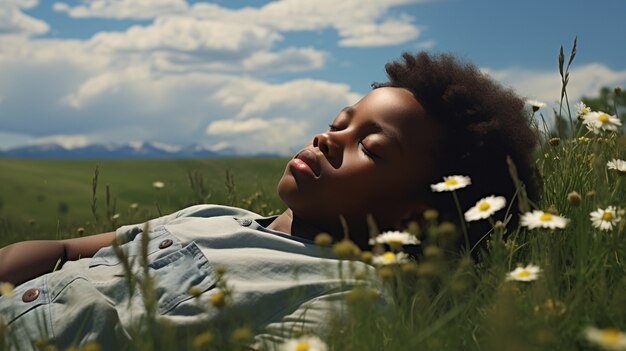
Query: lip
(307,160)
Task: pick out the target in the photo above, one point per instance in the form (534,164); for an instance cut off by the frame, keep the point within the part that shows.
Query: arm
(26,260)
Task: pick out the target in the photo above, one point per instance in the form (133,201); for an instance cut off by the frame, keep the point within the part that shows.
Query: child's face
(372,160)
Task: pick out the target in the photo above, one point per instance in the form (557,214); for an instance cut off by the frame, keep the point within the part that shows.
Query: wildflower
(485,208)
(524,274)
(535,105)
(202,339)
(195,291)
(607,338)
(346,250)
(241,335)
(601,121)
(431,215)
(554,141)
(395,239)
(390,258)
(6,289)
(134,206)
(91,346)
(451,183)
(304,343)
(218,299)
(573,198)
(362,294)
(115,217)
(551,308)
(583,138)
(607,218)
(619,165)
(432,251)
(582,109)
(158,185)
(541,219)
(80,231)
(367,257)
(323,239)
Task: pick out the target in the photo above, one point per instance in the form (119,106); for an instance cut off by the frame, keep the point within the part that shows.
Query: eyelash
(368,153)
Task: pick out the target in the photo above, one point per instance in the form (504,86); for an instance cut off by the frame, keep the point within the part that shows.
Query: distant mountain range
(119,151)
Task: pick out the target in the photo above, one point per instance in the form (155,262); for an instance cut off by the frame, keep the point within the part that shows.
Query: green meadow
(557,281)
(46,199)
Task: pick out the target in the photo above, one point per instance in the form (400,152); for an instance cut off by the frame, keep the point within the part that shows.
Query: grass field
(52,198)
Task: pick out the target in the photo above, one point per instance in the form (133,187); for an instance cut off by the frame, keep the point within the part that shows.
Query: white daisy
(582,109)
(607,218)
(390,258)
(541,219)
(485,208)
(619,165)
(607,338)
(535,105)
(601,121)
(158,185)
(524,274)
(395,239)
(451,183)
(304,343)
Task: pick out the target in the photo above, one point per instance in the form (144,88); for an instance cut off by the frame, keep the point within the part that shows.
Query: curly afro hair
(481,123)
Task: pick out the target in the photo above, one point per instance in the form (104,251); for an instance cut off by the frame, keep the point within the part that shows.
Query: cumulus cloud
(585,80)
(120,9)
(358,23)
(14,21)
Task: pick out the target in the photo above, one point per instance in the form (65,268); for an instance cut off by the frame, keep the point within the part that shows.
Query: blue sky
(263,76)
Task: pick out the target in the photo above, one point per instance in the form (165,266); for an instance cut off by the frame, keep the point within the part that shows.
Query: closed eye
(367,152)
(333,128)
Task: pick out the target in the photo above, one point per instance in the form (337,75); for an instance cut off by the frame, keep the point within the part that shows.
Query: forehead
(398,110)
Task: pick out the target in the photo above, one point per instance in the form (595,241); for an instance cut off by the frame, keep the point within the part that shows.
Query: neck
(289,223)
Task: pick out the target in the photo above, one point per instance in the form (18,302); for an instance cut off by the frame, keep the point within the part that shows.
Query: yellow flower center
(523,274)
(389,256)
(607,216)
(610,335)
(603,117)
(451,181)
(484,206)
(545,217)
(302,346)
(394,242)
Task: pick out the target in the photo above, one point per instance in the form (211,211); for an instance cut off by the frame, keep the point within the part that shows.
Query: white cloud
(231,126)
(358,23)
(185,34)
(14,21)
(288,60)
(120,9)
(390,32)
(545,86)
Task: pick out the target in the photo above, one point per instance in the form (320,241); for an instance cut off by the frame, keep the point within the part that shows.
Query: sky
(265,76)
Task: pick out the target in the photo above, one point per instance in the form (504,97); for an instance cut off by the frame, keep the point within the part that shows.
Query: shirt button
(165,243)
(30,295)
(246,222)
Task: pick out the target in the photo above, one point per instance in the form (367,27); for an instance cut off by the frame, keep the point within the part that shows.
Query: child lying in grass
(215,266)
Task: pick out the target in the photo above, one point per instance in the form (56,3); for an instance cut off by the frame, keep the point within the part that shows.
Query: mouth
(308,159)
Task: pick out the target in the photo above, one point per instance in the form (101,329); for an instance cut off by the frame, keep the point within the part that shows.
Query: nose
(326,145)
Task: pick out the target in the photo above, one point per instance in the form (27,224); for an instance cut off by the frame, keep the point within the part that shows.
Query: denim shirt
(281,285)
